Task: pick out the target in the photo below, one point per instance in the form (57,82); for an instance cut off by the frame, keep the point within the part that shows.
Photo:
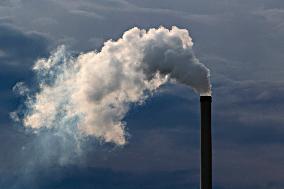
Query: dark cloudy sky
(241,41)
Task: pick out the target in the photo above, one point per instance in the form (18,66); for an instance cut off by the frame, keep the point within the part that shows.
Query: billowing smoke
(90,94)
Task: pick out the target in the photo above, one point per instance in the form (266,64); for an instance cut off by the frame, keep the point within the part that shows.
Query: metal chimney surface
(206,143)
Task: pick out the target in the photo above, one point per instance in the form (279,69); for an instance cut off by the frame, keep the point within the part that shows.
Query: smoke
(90,94)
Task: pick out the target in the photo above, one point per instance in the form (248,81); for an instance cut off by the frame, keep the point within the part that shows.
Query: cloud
(92,92)
(21,47)
(86,13)
(10,3)
(246,101)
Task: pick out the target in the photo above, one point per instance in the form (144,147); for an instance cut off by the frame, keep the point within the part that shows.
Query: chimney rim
(206,98)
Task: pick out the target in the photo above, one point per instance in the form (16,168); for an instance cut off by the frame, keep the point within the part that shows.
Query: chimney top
(205,98)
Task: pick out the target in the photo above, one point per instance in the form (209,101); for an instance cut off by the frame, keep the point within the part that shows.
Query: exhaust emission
(90,94)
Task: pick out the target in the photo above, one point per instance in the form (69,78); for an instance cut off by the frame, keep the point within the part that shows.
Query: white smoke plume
(90,94)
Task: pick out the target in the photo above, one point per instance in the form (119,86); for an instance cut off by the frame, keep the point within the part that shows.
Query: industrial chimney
(206,144)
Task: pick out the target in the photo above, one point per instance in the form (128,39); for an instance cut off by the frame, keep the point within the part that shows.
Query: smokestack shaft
(206,144)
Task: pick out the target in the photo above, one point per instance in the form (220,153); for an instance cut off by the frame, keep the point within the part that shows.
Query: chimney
(206,144)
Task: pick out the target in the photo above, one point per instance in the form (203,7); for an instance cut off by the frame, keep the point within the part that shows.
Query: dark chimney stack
(206,144)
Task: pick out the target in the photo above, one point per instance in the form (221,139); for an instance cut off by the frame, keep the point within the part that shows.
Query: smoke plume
(90,94)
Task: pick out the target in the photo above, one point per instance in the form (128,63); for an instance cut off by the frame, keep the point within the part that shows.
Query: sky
(241,41)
